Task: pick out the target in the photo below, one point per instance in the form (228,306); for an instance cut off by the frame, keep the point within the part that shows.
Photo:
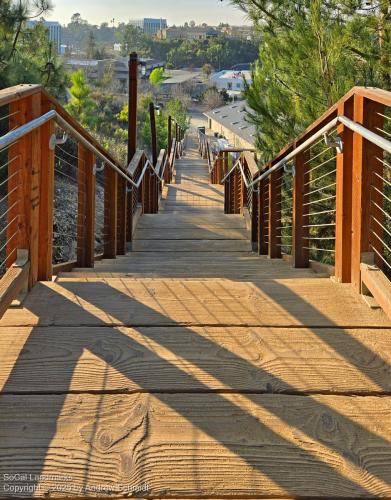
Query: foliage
(156,77)
(212,98)
(312,53)
(26,54)
(81,106)
(207,69)
(177,110)
(174,107)
(132,39)
(220,52)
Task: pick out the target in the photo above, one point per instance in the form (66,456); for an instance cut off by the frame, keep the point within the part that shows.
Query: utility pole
(153,132)
(132,105)
(132,136)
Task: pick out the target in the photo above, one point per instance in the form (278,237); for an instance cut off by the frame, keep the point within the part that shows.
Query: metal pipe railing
(376,139)
(13,136)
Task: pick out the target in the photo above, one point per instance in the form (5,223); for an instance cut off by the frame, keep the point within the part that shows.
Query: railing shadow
(313,457)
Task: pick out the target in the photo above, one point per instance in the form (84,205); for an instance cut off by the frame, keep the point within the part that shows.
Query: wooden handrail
(376,95)
(135,162)
(251,163)
(18,92)
(357,209)
(29,189)
(77,126)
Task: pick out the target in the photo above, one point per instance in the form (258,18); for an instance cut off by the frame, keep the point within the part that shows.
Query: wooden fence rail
(330,202)
(102,197)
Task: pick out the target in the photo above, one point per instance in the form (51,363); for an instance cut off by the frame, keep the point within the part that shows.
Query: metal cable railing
(380,202)
(100,215)
(10,184)
(285,209)
(65,203)
(320,200)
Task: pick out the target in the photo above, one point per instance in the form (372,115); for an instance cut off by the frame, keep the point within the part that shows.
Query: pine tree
(312,53)
(81,106)
(26,54)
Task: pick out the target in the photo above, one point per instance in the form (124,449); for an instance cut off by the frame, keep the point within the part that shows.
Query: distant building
(244,32)
(177,79)
(242,67)
(54,31)
(231,81)
(229,122)
(186,33)
(149,26)
(95,69)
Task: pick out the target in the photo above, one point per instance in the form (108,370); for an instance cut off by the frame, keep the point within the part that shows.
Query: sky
(175,11)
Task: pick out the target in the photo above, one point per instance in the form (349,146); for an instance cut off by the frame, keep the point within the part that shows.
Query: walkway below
(193,367)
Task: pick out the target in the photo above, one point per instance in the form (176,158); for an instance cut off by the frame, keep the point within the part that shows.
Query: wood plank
(86,208)
(200,209)
(300,219)
(18,92)
(188,219)
(365,165)
(191,245)
(12,283)
(192,233)
(179,359)
(110,212)
(45,253)
(198,445)
(154,302)
(34,195)
(344,180)
(378,285)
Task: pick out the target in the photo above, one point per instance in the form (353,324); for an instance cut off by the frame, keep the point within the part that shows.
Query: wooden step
(170,302)
(191,245)
(197,445)
(192,233)
(197,359)
(189,221)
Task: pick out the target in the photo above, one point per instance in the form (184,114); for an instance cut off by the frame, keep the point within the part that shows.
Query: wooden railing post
(169,135)
(122,203)
(274,202)
(225,163)
(45,254)
(86,208)
(110,209)
(227,195)
(24,175)
(237,192)
(215,175)
(343,216)
(300,255)
(365,164)
(254,218)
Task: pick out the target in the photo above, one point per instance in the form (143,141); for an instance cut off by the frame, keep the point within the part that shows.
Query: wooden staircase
(194,368)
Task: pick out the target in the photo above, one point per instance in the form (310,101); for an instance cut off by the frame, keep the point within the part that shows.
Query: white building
(230,122)
(54,31)
(150,26)
(231,81)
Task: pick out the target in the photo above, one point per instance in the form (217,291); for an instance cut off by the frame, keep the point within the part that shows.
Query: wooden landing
(193,368)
